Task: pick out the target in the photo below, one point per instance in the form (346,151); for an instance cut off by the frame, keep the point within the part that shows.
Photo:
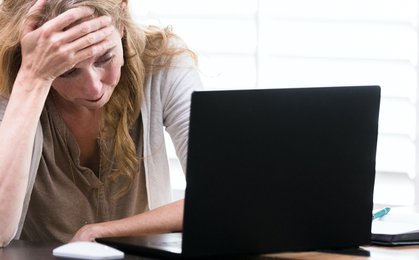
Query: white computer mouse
(87,250)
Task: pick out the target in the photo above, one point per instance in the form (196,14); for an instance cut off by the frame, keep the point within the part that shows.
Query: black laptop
(273,170)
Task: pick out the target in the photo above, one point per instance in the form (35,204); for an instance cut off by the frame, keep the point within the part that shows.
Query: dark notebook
(396,228)
(395,239)
(272,170)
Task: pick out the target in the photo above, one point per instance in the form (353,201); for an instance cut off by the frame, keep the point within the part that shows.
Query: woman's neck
(73,113)
(84,124)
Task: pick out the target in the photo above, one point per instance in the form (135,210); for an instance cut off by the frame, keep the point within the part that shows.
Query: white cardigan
(166,105)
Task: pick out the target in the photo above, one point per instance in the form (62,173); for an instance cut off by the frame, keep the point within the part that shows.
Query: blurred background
(245,44)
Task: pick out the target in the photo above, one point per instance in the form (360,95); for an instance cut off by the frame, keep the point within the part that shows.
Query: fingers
(58,23)
(86,39)
(67,18)
(87,27)
(94,50)
(92,39)
(76,29)
(30,23)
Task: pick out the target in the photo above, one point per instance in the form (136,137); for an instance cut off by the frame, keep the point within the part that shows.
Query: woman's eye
(104,60)
(69,73)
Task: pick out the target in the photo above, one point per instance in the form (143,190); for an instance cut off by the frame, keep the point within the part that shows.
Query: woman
(85,98)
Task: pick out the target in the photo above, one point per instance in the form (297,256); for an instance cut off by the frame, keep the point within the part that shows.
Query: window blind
(303,43)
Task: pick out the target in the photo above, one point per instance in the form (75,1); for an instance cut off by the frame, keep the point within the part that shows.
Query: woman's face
(91,83)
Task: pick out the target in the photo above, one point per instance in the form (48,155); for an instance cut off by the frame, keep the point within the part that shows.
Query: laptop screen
(280,169)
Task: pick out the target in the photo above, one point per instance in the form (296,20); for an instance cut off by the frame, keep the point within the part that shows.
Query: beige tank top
(67,196)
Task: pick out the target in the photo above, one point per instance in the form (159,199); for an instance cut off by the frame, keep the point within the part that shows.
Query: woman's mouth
(95,100)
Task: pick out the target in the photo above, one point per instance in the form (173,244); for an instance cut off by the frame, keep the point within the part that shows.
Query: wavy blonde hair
(142,46)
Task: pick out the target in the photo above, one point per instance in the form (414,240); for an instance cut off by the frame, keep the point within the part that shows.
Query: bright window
(303,43)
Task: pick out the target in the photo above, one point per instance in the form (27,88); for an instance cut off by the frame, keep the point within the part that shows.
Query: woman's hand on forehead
(66,40)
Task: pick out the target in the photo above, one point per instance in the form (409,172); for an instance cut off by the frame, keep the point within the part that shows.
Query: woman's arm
(17,131)
(165,219)
(180,82)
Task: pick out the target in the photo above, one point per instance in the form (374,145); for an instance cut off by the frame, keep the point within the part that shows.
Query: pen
(380,213)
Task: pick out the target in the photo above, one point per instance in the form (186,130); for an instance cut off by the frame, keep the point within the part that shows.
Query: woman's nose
(93,84)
